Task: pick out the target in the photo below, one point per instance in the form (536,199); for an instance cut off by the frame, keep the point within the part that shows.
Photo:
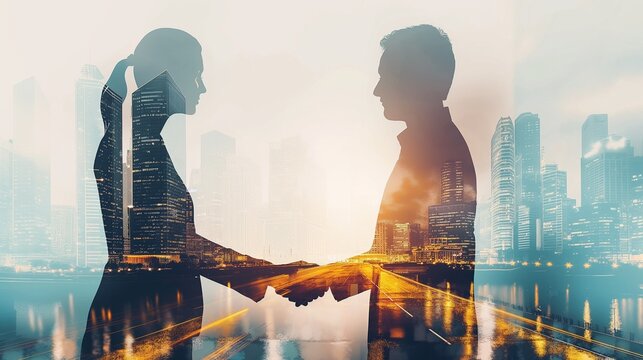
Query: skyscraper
(502,189)
(595,232)
(451,223)
(595,128)
(451,182)
(90,236)
(383,234)
(607,172)
(63,229)
(528,184)
(31,171)
(634,245)
(127,203)
(401,239)
(6,196)
(108,171)
(159,215)
(554,198)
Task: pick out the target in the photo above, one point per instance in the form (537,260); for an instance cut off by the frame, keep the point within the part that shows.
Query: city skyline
(531,208)
(554,225)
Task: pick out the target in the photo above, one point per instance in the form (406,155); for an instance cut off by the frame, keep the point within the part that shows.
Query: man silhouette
(434,167)
(434,174)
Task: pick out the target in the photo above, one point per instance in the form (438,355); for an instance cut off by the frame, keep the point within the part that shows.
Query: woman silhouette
(153,314)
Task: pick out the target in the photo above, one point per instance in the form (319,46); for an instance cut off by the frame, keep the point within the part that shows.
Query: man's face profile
(410,82)
(404,84)
(389,88)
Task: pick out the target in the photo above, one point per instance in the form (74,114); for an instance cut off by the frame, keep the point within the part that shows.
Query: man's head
(416,70)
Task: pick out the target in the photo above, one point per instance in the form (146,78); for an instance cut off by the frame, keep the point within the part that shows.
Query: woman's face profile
(176,52)
(190,83)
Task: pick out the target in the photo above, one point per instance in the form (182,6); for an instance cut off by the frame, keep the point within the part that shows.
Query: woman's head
(176,52)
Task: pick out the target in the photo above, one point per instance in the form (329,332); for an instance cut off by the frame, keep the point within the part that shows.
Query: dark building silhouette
(451,223)
(108,170)
(127,202)
(159,214)
(452,182)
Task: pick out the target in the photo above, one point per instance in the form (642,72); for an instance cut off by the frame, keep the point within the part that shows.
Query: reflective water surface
(344,311)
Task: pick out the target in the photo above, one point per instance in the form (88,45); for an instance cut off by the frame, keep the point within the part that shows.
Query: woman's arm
(199,243)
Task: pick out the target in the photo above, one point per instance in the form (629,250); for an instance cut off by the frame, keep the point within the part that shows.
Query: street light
(568,265)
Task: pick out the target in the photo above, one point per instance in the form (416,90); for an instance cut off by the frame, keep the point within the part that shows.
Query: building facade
(503,189)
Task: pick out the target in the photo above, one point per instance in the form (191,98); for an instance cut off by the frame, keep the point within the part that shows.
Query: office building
(528,185)
(90,235)
(503,189)
(158,218)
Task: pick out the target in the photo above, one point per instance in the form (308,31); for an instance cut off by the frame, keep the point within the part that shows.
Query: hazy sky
(301,68)
(575,58)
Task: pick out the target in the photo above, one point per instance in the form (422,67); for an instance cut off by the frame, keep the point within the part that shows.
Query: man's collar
(432,120)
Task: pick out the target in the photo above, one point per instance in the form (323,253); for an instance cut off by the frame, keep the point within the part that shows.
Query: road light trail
(441,338)
(507,314)
(393,301)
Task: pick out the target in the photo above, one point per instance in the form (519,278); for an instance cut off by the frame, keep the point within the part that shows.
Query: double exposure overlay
(333,180)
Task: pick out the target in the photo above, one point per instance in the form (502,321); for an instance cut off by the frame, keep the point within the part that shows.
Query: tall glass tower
(607,172)
(159,215)
(90,238)
(634,245)
(595,129)
(554,198)
(503,189)
(528,184)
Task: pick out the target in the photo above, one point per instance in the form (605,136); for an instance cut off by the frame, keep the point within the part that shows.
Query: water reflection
(578,302)
(361,313)
(615,318)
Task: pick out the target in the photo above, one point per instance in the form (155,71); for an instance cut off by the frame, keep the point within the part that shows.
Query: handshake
(300,283)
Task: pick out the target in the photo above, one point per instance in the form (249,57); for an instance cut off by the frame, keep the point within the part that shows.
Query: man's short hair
(426,40)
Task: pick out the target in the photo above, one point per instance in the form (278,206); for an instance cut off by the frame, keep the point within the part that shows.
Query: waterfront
(45,317)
